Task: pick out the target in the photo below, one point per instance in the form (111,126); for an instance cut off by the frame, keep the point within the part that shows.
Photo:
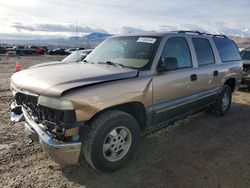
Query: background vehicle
(74,57)
(126,85)
(81,48)
(36,50)
(2,50)
(25,50)
(70,50)
(57,51)
(245,56)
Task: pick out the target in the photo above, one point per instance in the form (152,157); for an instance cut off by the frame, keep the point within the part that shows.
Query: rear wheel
(223,102)
(111,141)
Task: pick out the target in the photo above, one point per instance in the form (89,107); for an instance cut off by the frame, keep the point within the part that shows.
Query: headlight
(55,103)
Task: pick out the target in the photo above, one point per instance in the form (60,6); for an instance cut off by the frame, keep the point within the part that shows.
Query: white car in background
(74,57)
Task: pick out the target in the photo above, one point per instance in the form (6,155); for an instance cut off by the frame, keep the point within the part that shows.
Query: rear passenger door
(208,75)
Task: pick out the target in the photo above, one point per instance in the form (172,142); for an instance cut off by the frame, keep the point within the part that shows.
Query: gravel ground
(200,151)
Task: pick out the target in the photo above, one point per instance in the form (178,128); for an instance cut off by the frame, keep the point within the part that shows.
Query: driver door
(173,90)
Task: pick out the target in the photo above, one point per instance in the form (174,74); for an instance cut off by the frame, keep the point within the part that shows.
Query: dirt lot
(201,151)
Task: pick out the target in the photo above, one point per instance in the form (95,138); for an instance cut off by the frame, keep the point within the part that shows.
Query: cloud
(55,28)
(214,27)
(130,29)
(129,16)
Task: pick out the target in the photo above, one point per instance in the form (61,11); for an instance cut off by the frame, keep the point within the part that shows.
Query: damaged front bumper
(61,152)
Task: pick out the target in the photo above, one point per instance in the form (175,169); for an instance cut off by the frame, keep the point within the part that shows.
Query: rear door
(207,71)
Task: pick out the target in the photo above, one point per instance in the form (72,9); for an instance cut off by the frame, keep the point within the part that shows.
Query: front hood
(47,64)
(54,80)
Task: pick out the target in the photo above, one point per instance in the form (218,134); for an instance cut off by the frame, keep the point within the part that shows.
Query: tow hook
(16,113)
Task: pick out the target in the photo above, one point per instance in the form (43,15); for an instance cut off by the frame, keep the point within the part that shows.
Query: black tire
(217,107)
(101,128)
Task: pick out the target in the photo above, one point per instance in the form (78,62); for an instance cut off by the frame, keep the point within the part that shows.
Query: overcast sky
(51,17)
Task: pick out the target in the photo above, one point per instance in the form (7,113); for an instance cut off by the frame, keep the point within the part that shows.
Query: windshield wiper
(112,63)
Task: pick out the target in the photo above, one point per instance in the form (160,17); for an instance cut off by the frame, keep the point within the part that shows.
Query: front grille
(29,102)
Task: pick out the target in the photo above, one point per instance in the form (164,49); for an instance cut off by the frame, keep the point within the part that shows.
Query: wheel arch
(231,83)
(135,109)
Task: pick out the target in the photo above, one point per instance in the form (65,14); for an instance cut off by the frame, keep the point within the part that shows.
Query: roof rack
(201,33)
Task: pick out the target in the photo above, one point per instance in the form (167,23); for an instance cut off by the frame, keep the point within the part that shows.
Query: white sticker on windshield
(146,40)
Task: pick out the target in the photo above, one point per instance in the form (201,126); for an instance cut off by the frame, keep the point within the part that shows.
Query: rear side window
(204,52)
(227,49)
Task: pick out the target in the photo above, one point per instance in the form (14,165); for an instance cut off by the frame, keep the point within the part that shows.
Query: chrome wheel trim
(116,144)
(225,101)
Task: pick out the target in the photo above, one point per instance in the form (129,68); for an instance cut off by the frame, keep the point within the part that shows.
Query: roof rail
(201,33)
(192,32)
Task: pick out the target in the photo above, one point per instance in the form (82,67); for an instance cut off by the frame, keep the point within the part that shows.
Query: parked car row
(33,50)
(23,50)
(63,51)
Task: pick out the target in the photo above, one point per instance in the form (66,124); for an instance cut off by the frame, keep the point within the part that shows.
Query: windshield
(130,51)
(245,55)
(75,57)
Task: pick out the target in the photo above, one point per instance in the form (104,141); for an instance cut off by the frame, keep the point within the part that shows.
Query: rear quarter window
(227,49)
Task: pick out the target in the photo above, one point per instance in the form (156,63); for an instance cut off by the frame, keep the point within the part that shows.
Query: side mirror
(167,63)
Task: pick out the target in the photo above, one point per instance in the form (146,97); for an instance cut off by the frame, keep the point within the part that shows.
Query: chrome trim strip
(163,110)
(168,105)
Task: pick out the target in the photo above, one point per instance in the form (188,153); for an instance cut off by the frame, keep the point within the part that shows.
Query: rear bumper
(61,152)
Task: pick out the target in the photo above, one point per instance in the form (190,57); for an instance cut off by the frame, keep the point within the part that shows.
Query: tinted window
(227,49)
(245,55)
(178,48)
(204,52)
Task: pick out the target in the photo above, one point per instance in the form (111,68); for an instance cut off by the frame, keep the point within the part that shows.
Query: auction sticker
(146,40)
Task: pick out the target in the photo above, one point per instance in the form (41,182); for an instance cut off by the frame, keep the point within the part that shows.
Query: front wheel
(111,141)
(223,102)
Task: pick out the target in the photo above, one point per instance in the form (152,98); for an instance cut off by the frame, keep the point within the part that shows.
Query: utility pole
(76,36)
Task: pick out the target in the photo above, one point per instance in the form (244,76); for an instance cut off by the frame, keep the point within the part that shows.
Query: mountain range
(90,40)
(91,37)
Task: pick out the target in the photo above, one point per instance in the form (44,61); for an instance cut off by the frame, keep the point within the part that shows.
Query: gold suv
(126,85)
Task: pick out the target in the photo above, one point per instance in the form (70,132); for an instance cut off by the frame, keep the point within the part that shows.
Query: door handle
(193,77)
(216,73)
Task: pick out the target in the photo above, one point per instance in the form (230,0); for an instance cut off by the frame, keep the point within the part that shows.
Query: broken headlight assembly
(58,115)
(55,103)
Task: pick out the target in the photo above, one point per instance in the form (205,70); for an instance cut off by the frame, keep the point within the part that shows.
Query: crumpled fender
(91,100)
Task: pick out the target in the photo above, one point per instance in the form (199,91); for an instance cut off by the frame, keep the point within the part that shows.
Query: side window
(204,52)
(178,48)
(227,49)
